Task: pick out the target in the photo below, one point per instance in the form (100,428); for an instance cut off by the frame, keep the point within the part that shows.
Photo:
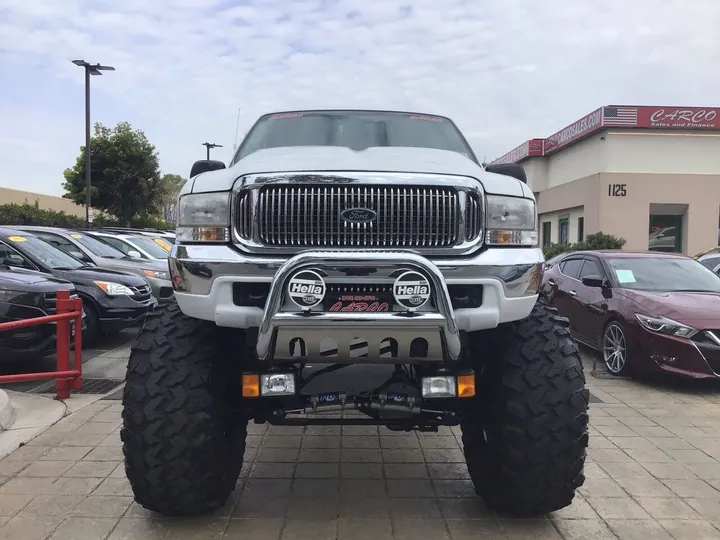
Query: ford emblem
(359,215)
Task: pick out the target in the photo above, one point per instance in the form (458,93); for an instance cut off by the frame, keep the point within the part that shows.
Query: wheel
(615,349)
(525,434)
(92,331)
(183,437)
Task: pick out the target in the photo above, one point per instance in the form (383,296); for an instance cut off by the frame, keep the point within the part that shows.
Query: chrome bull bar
(437,327)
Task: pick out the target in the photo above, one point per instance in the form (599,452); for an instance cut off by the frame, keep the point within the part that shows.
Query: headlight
(204,217)
(663,325)
(511,221)
(114,289)
(156,274)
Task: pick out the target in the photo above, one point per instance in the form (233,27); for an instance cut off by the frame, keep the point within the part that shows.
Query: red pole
(77,365)
(63,345)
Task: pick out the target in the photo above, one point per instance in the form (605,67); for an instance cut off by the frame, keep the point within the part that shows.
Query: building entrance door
(666,232)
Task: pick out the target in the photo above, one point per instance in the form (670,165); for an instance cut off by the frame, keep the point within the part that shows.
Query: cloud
(504,71)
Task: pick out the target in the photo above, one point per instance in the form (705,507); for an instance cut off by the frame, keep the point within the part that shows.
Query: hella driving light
(439,387)
(511,221)
(277,384)
(663,325)
(203,217)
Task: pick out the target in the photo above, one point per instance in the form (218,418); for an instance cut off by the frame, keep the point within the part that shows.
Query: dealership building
(650,175)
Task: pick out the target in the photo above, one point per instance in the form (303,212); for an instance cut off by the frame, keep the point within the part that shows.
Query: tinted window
(57,241)
(663,274)
(10,257)
(591,268)
(357,130)
(116,243)
(571,267)
(98,248)
(710,262)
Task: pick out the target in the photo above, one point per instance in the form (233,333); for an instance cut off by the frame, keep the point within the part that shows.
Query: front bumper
(678,356)
(204,275)
(119,312)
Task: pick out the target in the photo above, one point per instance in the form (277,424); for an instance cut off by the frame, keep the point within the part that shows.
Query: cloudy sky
(505,71)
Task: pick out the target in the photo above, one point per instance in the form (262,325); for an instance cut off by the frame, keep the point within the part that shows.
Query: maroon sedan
(644,311)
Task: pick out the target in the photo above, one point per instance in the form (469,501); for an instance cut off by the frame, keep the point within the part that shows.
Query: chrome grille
(310,215)
(473,217)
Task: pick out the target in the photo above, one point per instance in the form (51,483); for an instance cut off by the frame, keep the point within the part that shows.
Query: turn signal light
(251,385)
(466,386)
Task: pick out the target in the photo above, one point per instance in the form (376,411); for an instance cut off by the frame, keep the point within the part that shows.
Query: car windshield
(44,252)
(663,274)
(151,246)
(357,130)
(98,248)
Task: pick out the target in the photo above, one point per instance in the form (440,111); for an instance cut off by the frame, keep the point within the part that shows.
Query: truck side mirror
(205,165)
(509,169)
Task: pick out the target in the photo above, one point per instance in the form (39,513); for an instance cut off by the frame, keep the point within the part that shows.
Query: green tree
(125,173)
(171,184)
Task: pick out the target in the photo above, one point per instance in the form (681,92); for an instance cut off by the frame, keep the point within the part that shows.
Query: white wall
(582,159)
(554,217)
(662,152)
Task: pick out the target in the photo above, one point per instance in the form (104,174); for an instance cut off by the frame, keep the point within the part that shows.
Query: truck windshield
(357,130)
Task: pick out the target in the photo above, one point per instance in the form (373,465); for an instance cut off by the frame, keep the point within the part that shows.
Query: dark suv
(26,294)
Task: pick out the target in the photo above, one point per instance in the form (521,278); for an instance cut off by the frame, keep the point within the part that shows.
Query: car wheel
(615,349)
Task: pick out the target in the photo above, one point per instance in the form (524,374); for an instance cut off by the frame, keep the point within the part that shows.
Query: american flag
(620,116)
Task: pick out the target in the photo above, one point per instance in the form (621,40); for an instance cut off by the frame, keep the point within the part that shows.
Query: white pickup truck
(355,267)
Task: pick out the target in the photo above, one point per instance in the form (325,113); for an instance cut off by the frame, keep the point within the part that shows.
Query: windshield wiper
(694,290)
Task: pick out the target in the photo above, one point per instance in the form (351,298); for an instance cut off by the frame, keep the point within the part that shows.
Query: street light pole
(90,69)
(209,146)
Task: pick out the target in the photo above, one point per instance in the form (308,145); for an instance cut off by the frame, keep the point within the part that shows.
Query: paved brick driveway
(653,472)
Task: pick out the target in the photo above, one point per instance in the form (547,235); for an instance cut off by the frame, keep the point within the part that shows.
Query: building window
(546,233)
(666,233)
(564,230)
(581,229)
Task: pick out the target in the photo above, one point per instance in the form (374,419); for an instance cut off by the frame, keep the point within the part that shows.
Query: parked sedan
(94,252)
(112,300)
(25,294)
(643,311)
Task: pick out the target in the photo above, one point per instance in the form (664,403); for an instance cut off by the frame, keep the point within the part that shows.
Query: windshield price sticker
(16,238)
(625,276)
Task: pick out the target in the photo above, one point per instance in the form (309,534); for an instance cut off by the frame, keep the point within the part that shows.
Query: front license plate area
(358,303)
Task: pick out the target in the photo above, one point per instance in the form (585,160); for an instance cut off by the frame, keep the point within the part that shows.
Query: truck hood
(342,159)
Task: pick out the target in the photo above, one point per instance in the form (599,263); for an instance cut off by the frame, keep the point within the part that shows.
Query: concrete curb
(33,415)
(7,411)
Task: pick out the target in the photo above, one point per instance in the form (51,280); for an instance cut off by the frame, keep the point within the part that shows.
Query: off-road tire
(525,434)
(183,442)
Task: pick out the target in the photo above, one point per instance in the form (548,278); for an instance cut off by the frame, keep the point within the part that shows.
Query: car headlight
(663,325)
(114,289)
(157,274)
(204,217)
(511,221)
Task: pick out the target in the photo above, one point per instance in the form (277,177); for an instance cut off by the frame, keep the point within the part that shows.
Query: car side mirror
(593,281)
(134,254)
(77,255)
(205,165)
(509,169)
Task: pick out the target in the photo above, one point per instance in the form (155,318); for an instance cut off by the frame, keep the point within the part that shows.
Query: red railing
(65,378)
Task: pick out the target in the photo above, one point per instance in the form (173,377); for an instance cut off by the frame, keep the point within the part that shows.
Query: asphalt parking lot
(653,471)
